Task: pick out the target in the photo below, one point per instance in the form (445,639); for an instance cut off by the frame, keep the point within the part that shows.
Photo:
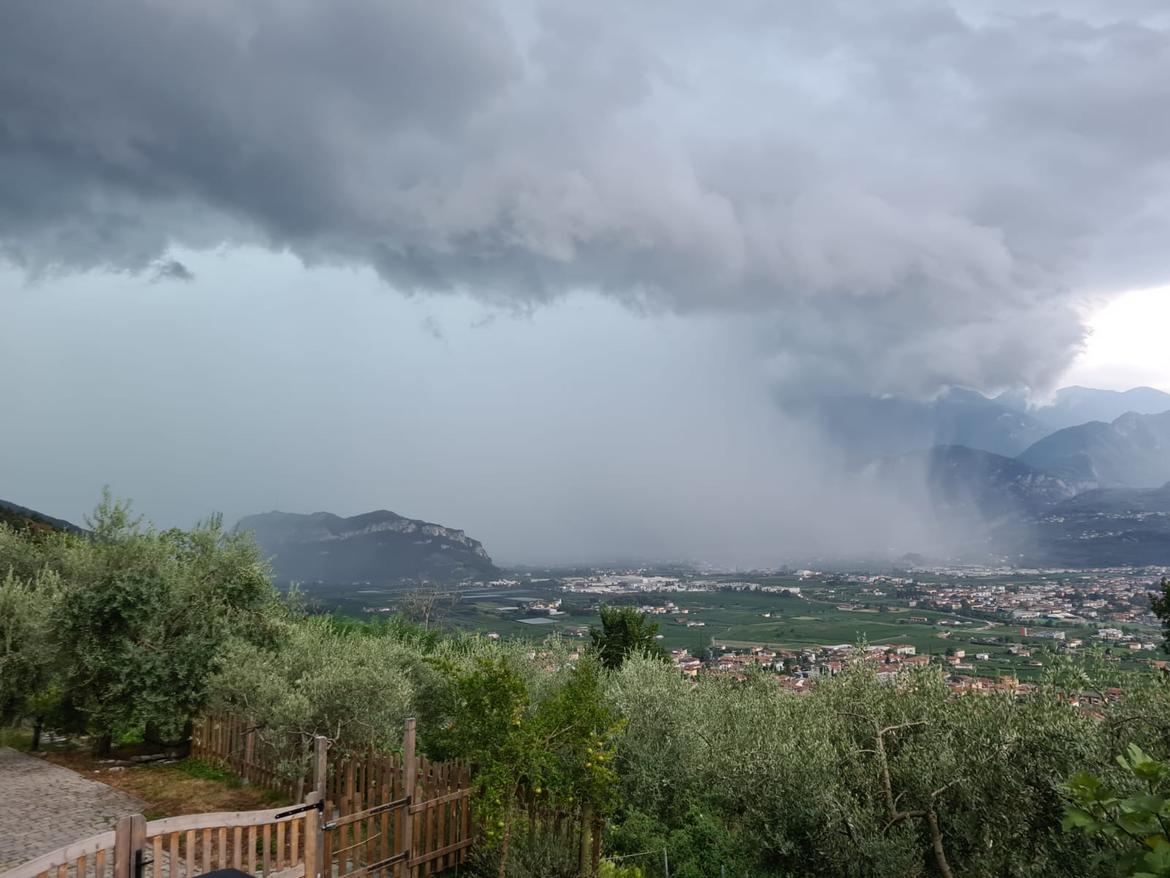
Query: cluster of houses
(1102,596)
(801,666)
(799,671)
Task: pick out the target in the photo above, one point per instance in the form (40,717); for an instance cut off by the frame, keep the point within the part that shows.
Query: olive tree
(140,619)
(29,668)
(318,678)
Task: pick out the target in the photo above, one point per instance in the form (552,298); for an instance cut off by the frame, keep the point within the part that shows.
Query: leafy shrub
(1132,816)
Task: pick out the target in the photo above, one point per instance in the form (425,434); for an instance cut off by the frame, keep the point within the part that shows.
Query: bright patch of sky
(1129,344)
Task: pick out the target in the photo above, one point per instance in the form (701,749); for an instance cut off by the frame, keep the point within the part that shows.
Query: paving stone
(44,806)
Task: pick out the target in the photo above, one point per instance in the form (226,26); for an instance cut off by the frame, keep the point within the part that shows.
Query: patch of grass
(16,737)
(204,770)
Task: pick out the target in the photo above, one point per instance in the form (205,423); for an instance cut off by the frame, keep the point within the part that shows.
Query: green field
(741,619)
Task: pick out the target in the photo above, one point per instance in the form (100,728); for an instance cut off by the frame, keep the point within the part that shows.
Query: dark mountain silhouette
(966,482)
(1131,451)
(378,547)
(23,518)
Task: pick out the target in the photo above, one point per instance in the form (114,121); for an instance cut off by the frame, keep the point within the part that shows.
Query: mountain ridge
(379,547)
(23,518)
(1131,451)
(1075,405)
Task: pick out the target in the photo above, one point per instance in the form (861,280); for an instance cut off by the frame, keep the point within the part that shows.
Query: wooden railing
(390,815)
(93,857)
(382,811)
(277,842)
(235,742)
(260,843)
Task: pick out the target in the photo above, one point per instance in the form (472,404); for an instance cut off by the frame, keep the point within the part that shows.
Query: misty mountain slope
(377,547)
(1078,405)
(21,518)
(1123,501)
(868,426)
(967,483)
(1106,527)
(1132,451)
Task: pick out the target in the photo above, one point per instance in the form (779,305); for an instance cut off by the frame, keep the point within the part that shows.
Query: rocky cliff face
(379,547)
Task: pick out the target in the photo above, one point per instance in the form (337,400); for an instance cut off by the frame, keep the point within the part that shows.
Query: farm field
(822,614)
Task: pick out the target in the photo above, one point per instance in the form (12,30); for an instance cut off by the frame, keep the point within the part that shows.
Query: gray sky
(536,271)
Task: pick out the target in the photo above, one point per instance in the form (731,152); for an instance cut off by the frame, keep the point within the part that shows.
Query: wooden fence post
(320,764)
(249,755)
(313,840)
(129,841)
(410,767)
(584,852)
(320,779)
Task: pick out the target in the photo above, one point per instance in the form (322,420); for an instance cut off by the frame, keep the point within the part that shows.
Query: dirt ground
(188,787)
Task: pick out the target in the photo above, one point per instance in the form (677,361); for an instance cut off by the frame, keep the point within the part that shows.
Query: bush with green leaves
(553,745)
(30,670)
(135,621)
(319,679)
(624,631)
(855,778)
(1132,815)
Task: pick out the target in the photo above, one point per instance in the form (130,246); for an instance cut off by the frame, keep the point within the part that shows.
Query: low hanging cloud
(172,269)
(908,194)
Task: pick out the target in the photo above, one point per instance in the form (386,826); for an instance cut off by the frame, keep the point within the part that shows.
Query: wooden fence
(390,815)
(235,743)
(378,807)
(442,824)
(277,843)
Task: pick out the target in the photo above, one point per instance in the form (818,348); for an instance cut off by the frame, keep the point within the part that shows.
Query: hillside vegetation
(132,631)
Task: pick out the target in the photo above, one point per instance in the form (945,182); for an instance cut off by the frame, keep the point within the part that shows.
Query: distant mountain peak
(379,547)
(1131,450)
(1075,405)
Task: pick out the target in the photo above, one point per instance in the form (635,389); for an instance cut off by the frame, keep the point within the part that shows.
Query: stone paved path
(44,806)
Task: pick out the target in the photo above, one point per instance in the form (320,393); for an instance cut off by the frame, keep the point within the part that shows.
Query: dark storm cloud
(172,269)
(910,193)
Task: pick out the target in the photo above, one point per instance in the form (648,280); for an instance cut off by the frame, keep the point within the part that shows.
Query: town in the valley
(985,628)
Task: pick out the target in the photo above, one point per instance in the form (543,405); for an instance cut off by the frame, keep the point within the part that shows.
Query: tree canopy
(624,631)
(123,628)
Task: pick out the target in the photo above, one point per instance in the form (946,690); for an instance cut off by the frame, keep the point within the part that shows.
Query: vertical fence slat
(312,865)
(409,781)
(157,855)
(370,792)
(174,864)
(386,788)
(441,820)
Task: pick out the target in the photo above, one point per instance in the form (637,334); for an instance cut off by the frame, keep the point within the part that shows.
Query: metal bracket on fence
(140,863)
(346,819)
(318,806)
